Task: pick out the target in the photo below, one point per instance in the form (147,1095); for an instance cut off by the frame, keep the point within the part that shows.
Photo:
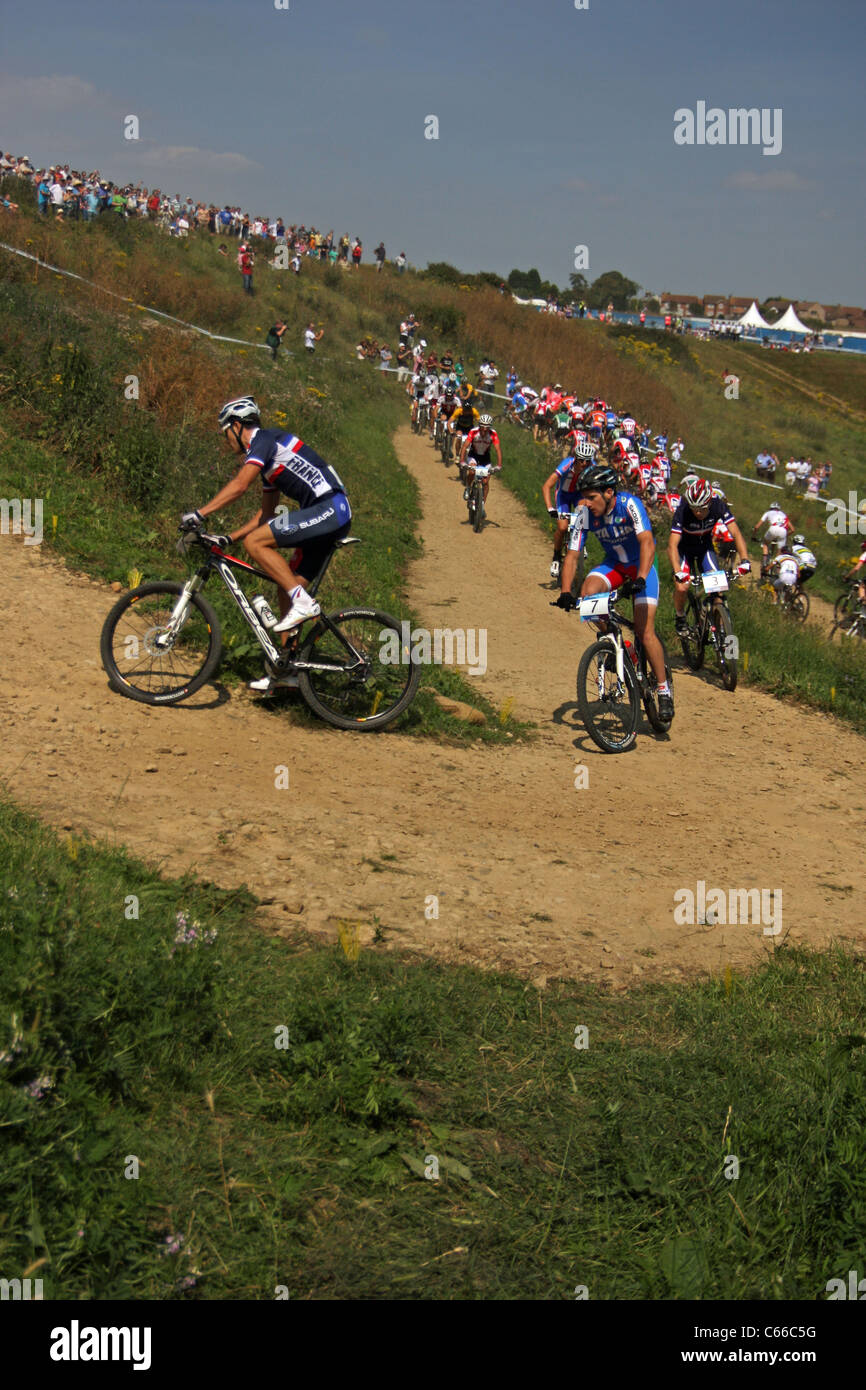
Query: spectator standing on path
(274,338)
(311,337)
(43,194)
(245,265)
(385,354)
(401,261)
(379,253)
(357,252)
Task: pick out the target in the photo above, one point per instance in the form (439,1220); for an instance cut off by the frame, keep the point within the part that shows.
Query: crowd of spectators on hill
(66,194)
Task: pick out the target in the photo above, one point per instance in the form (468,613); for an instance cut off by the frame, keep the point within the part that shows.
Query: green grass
(302,1166)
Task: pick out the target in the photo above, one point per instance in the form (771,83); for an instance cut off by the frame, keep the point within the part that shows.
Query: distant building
(670,303)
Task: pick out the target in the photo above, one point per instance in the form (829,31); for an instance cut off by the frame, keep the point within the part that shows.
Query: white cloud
(773,181)
(40,94)
(190,156)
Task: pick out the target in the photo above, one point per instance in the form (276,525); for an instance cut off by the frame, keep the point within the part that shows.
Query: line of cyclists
(613,474)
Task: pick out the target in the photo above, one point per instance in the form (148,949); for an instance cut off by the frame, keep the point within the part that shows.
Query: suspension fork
(193,585)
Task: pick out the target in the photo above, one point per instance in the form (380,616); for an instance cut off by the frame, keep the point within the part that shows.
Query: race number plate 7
(716,582)
(594,606)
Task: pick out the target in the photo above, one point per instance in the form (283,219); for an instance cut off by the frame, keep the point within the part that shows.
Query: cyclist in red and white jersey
(476,449)
(628,426)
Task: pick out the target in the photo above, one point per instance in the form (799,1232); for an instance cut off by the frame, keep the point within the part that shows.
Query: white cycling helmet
(244,408)
(798,540)
(485,421)
(584,449)
(699,493)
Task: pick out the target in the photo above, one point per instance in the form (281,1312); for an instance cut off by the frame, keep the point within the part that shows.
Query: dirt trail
(530,873)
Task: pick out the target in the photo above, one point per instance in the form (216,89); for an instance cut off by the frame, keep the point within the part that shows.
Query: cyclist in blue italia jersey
(620,522)
(562,508)
(287,466)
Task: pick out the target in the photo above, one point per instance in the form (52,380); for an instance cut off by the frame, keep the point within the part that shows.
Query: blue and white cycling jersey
(610,419)
(568,473)
(619,530)
(289,465)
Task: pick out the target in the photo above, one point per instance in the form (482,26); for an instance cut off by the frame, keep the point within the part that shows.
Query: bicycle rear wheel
(142,669)
(800,606)
(373,680)
(692,642)
(726,646)
(608,706)
(650,691)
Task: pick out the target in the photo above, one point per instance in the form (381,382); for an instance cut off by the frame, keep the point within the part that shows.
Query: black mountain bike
(709,623)
(162,641)
(475,503)
(614,676)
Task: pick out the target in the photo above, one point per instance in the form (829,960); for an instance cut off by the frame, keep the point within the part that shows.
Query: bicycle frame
(222,564)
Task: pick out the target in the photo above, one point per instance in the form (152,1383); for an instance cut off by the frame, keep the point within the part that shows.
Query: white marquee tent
(790,323)
(753,318)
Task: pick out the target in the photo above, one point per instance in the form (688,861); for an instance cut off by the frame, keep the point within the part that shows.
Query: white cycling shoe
(554,569)
(303,607)
(269,683)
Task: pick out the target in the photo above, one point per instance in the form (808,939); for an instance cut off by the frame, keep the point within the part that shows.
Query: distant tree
(448,274)
(696,308)
(579,286)
(488,277)
(651,306)
(611,288)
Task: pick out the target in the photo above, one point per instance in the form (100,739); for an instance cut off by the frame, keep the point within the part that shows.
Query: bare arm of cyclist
(246,474)
(647,553)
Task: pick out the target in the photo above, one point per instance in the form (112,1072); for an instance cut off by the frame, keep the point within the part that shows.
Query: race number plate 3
(716,582)
(482,469)
(594,606)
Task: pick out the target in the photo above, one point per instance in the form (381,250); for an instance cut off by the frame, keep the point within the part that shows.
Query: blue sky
(555,126)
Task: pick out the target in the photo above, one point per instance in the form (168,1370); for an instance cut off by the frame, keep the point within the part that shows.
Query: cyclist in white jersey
(776,534)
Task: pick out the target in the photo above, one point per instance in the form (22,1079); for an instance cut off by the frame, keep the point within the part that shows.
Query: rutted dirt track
(531,873)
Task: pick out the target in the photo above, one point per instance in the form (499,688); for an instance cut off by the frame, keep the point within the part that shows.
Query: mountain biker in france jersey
(289,467)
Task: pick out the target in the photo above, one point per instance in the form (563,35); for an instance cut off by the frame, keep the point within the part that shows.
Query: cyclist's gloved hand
(224,542)
(681,576)
(565,601)
(551,511)
(744,567)
(192,521)
(638,586)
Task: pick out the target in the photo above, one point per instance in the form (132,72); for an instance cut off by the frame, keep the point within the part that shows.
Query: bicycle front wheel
(608,706)
(726,646)
(143,661)
(845,603)
(478,507)
(370,679)
(692,642)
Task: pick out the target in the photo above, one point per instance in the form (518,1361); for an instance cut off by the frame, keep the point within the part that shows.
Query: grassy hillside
(284,1109)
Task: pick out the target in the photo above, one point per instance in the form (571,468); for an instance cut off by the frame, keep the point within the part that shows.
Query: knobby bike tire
(693,647)
(650,699)
(845,603)
(800,606)
(340,692)
(187,686)
(591,715)
(478,508)
(728,665)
